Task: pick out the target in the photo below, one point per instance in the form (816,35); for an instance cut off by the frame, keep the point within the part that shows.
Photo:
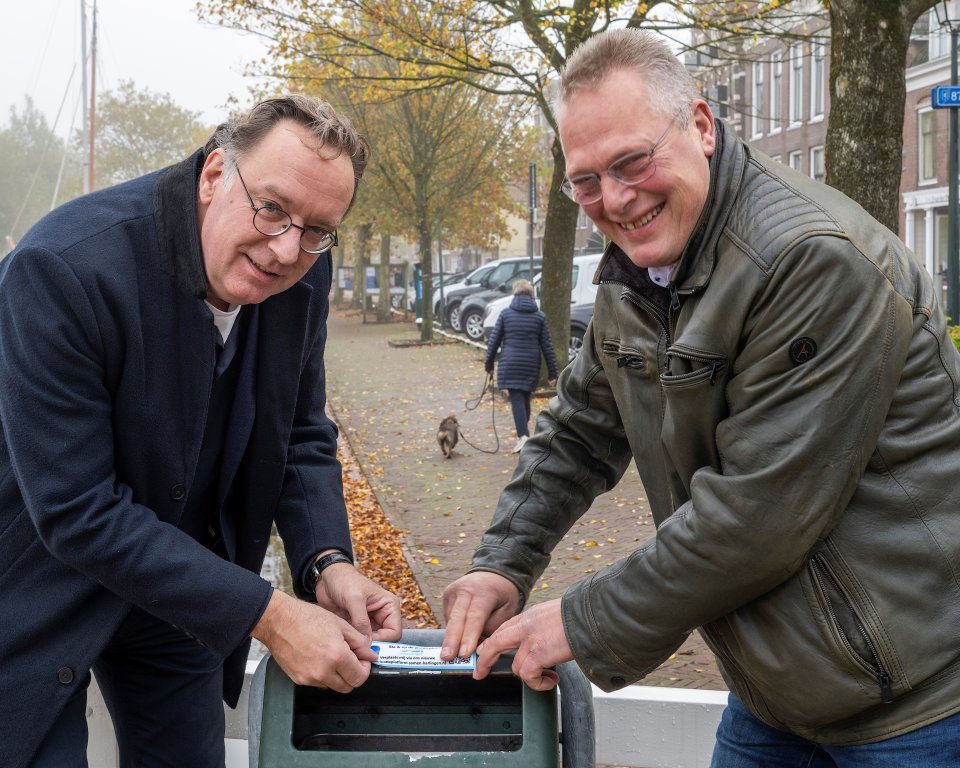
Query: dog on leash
(448,434)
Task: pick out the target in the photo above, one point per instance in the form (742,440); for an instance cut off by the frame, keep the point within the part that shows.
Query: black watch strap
(319,564)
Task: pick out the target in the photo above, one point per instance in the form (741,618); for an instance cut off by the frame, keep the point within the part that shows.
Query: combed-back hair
(670,87)
(332,131)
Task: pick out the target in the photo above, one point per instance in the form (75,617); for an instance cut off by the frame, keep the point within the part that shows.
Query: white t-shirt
(224,320)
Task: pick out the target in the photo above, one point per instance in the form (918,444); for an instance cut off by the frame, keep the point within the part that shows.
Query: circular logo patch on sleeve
(802,349)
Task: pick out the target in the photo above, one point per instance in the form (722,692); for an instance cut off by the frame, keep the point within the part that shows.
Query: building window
(920,235)
(941,233)
(739,97)
(718,98)
(796,83)
(776,90)
(927,141)
(795,160)
(818,81)
(758,100)
(939,38)
(818,168)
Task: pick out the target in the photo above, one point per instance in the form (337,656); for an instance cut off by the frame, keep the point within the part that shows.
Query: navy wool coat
(520,335)
(107,353)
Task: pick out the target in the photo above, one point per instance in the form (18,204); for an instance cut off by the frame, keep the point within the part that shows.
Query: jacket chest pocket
(694,390)
(625,355)
(687,368)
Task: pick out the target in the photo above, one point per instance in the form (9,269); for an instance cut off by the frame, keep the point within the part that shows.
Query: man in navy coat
(162,405)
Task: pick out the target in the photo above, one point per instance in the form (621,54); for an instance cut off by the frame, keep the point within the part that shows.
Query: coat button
(65,675)
(177,492)
(617,681)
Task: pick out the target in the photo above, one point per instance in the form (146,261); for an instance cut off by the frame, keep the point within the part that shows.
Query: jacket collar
(699,255)
(175,214)
(524,303)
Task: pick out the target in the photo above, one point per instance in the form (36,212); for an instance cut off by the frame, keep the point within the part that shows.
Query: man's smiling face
(653,221)
(284,169)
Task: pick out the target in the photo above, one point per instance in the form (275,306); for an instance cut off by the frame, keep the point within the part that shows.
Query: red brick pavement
(389,401)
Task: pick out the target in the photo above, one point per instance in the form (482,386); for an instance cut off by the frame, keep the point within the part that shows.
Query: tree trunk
(336,297)
(559,237)
(383,278)
(360,268)
(868,47)
(425,237)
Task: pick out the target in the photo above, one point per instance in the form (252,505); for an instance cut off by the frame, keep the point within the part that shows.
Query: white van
(582,290)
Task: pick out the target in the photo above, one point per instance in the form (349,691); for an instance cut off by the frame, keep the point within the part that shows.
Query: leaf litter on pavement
(377,544)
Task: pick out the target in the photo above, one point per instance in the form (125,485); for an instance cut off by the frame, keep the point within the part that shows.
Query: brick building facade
(775,93)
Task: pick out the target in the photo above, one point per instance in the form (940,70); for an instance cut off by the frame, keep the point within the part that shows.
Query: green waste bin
(438,719)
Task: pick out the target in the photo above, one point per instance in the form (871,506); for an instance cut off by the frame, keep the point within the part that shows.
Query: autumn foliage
(378,546)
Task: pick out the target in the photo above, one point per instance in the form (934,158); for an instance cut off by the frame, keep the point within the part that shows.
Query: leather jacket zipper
(715,365)
(674,297)
(821,572)
(648,306)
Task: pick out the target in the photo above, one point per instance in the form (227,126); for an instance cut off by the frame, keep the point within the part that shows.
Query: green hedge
(954,331)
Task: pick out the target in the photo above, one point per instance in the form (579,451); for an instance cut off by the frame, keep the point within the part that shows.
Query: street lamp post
(950,20)
(532,205)
(443,314)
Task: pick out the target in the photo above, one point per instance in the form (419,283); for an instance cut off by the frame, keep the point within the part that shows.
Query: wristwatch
(319,564)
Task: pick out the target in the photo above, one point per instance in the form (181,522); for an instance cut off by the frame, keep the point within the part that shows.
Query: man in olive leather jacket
(776,363)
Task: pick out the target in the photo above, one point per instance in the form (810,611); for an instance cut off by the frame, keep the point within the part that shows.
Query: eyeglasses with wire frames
(271,220)
(630,170)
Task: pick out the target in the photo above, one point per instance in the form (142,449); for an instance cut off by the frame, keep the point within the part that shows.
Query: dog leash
(487,387)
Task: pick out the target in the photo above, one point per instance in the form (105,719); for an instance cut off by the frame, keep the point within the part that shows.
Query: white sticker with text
(403,656)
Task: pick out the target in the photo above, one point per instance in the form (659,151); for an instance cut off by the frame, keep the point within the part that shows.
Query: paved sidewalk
(389,401)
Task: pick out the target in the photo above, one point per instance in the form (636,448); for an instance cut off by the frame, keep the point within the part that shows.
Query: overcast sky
(159,44)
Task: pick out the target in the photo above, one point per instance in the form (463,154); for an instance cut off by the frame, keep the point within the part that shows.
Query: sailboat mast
(91,155)
(83,97)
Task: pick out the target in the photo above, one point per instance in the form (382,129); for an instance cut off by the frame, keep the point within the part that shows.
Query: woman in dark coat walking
(521,335)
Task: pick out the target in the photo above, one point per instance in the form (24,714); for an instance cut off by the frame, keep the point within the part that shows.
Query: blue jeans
(745,742)
(520,405)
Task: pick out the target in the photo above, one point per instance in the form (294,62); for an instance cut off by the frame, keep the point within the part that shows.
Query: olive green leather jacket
(791,403)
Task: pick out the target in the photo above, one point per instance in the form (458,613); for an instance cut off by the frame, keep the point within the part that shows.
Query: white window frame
(938,38)
(818,159)
(926,143)
(796,84)
(776,90)
(795,160)
(757,108)
(818,81)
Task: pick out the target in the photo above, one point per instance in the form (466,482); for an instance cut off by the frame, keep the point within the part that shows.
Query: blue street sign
(942,96)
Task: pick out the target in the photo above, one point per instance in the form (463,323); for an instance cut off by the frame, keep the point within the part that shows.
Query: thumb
(358,642)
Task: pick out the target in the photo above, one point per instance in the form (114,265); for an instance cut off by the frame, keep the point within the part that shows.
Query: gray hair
(670,87)
(522,288)
(240,135)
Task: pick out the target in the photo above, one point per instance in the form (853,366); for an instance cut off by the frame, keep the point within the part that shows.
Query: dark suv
(500,280)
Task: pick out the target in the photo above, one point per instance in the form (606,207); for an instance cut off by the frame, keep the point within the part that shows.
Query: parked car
(580,317)
(472,278)
(582,289)
(448,279)
(474,306)
(504,271)
(582,294)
